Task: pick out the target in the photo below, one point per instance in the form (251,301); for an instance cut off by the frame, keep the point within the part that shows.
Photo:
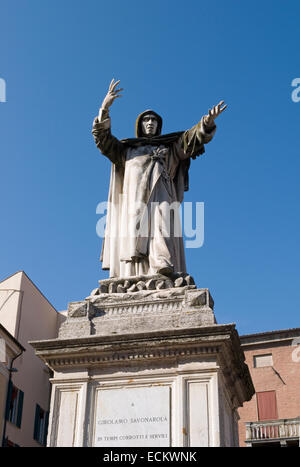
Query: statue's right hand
(112,94)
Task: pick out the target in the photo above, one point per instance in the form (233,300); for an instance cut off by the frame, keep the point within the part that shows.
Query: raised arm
(105,141)
(193,140)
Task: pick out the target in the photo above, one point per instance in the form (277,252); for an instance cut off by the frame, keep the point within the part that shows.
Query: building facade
(10,350)
(272,416)
(25,315)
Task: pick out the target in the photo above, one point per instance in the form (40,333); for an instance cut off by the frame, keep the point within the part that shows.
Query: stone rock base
(137,283)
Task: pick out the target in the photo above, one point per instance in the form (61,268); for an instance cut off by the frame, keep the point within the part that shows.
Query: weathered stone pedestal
(145,368)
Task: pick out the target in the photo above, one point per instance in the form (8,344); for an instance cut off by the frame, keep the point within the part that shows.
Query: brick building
(272,417)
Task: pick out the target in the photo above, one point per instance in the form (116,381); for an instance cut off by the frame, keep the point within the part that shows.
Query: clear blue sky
(179,58)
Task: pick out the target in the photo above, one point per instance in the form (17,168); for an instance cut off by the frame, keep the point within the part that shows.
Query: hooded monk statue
(149,175)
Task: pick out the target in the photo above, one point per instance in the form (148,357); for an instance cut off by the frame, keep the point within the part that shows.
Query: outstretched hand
(214,113)
(112,94)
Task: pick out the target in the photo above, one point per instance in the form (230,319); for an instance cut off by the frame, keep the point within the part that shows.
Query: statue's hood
(138,124)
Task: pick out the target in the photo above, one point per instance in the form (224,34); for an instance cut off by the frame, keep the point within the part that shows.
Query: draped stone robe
(148,174)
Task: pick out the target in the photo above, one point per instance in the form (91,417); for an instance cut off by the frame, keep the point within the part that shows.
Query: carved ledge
(140,311)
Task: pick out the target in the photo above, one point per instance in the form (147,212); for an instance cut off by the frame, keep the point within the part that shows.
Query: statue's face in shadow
(149,125)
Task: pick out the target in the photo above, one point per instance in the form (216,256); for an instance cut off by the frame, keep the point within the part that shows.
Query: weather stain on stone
(184,431)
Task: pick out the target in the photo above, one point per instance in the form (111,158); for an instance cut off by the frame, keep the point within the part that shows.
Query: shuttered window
(266,405)
(14,407)
(40,425)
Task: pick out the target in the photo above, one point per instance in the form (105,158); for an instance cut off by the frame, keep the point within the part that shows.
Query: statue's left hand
(214,113)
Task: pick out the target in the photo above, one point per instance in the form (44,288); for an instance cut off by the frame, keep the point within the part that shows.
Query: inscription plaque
(133,417)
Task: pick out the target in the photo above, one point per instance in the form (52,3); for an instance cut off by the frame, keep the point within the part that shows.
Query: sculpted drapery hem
(146,170)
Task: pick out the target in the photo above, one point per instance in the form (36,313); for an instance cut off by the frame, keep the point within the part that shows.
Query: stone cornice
(89,341)
(218,341)
(284,337)
(284,333)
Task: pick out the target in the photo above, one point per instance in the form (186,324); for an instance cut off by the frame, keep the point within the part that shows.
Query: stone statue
(149,173)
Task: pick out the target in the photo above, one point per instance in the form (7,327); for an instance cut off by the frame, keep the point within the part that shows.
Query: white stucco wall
(30,317)
(10,301)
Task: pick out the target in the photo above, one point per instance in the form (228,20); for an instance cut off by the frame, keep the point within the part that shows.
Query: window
(266,405)
(260,361)
(40,425)
(14,405)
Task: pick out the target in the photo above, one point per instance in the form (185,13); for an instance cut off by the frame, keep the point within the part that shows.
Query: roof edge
(12,338)
(270,335)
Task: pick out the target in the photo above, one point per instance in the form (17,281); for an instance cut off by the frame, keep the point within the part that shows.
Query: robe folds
(148,175)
